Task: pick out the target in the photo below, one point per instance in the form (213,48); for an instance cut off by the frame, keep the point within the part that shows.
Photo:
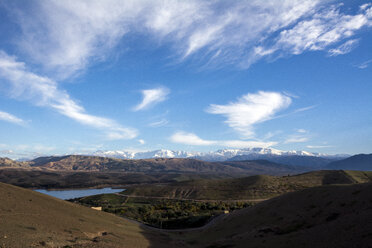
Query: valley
(179,202)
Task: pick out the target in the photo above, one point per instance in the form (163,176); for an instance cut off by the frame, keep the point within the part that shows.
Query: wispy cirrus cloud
(43,91)
(4,116)
(300,136)
(194,140)
(159,123)
(296,139)
(364,64)
(251,109)
(68,36)
(318,146)
(344,48)
(317,32)
(150,97)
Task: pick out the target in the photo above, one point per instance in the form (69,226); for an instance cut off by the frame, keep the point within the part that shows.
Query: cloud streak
(152,97)
(317,32)
(68,36)
(300,136)
(364,65)
(4,116)
(251,109)
(318,147)
(43,91)
(194,140)
(344,48)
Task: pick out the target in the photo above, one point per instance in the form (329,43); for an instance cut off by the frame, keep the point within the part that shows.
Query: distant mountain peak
(219,155)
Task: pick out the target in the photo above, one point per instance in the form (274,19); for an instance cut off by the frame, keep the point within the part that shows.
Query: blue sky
(81,76)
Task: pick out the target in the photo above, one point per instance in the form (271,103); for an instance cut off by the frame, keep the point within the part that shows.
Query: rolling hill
(327,216)
(332,216)
(78,163)
(9,163)
(294,160)
(31,219)
(248,188)
(69,179)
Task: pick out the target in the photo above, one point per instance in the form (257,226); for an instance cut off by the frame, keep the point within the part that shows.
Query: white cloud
(152,97)
(11,118)
(159,123)
(28,151)
(42,91)
(301,130)
(317,147)
(303,109)
(364,65)
(6,152)
(193,139)
(190,139)
(246,143)
(344,48)
(141,141)
(296,139)
(319,31)
(67,36)
(300,136)
(251,109)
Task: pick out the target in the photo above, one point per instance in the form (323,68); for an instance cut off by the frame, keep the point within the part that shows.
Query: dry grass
(30,219)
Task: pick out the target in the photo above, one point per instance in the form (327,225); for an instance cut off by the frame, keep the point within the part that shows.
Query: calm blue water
(69,194)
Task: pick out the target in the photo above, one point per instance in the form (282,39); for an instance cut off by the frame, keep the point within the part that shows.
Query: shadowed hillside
(357,162)
(31,219)
(328,216)
(294,160)
(254,187)
(66,179)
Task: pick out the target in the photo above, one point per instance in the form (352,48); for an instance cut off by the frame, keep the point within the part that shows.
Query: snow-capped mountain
(219,155)
(149,154)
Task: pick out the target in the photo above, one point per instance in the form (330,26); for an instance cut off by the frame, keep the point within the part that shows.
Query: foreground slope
(30,219)
(249,188)
(327,216)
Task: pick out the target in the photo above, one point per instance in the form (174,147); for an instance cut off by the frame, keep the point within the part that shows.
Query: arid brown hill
(9,163)
(333,216)
(164,165)
(31,219)
(326,217)
(249,188)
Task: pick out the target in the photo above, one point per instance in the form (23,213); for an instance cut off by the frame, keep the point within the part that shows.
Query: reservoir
(75,193)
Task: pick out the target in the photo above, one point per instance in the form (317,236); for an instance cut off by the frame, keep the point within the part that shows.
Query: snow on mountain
(219,155)
(149,154)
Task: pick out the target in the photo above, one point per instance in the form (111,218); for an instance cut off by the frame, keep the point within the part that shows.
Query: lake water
(75,193)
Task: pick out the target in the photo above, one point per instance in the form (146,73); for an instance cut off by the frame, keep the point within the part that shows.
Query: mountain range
(76,163)
(246,164)
(219,155)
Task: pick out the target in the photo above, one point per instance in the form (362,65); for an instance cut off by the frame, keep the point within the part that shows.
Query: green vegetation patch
(162,213)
